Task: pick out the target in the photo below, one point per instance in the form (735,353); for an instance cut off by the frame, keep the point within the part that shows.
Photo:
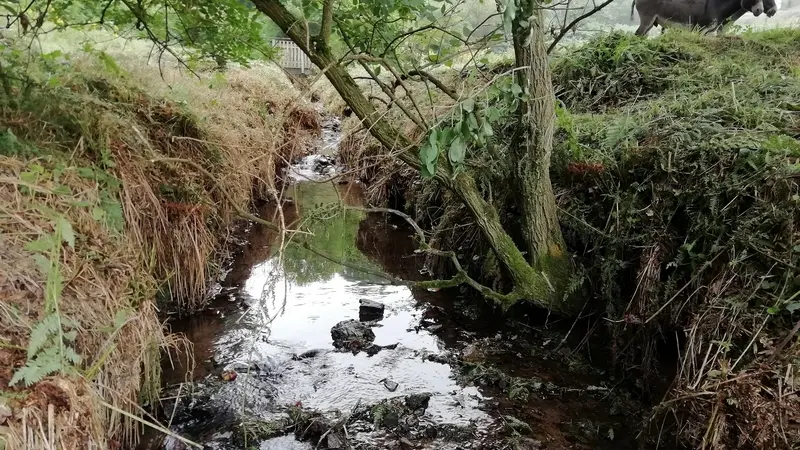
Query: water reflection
(280,304)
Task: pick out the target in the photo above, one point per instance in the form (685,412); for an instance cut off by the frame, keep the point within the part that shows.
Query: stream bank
(427,370)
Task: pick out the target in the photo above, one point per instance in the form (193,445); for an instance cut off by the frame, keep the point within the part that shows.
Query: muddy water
(270,324)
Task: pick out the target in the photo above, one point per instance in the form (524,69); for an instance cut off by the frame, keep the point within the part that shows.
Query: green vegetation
(654,180)
(683,198)
(99,213)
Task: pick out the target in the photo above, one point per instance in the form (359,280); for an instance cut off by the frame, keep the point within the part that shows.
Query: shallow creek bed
(300,352)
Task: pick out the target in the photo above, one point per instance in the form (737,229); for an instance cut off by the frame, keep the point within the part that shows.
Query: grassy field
(118,182)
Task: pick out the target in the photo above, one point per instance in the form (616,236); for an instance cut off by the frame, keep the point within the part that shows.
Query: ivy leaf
(468,105)
(458,151)
(508,16)
(487,129)
(516,89)
(428,154)
(473,122)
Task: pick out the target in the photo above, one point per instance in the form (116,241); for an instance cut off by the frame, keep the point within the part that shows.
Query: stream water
(270,324)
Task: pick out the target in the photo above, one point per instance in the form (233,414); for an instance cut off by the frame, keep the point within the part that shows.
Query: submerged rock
(390,385)
(415,402)
(373,349)
(307,354)
(352,335)
(369,310)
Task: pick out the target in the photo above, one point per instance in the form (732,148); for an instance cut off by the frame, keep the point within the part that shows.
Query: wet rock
(390,385)
(309,354)
(373,349)
(409,423)
(390,419)
(431,432)
(335,441)
(352,335)
(322,163)
(369,310)
(415,402)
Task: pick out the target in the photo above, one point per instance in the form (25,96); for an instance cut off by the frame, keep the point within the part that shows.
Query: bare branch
(437,82)
(577,20)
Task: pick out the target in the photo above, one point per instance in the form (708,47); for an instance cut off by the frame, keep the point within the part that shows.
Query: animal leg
(645,24)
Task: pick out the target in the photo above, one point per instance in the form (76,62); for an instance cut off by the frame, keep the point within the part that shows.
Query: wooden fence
(291,57)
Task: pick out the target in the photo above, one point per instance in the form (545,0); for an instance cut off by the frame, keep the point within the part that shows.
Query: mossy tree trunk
(531,282)
(534,146)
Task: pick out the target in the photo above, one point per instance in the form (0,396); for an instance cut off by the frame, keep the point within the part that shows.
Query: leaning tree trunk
(530,283)
(534,146)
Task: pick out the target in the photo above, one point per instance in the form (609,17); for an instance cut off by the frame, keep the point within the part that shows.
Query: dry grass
(87,148)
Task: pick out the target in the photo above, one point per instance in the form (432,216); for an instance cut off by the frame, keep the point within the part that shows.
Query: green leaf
(468,105)
(473,122)
(65,229)
(508,16)
(42,245)
(458,151)
(378,70)
(40,333)
(487,129)
(429,154)
(62,190)
(516,89)
(43,262)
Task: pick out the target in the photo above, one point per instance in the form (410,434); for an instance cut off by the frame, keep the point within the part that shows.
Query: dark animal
(709,15)
(770,8)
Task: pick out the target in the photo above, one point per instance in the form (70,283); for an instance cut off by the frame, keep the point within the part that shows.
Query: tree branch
(577,20)
(437,82)
(327,25)
(529,283)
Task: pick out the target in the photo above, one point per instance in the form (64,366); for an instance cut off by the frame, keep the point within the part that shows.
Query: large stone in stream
(416,402)
(369,310)
(352,335)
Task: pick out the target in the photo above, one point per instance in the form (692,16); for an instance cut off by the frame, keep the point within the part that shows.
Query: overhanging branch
(575,22)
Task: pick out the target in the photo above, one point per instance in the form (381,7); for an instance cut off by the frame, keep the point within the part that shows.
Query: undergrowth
(676,171)
(100,214)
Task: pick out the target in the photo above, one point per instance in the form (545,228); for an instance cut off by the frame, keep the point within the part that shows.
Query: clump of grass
(684,204)
(98,214)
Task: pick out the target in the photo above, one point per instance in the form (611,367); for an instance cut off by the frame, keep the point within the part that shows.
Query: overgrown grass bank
(680,184)
(118,186)
(677,171)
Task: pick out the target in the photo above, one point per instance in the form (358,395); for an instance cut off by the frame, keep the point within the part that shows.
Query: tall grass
(91,144)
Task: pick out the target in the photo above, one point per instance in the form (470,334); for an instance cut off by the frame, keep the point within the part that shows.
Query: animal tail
(633,6)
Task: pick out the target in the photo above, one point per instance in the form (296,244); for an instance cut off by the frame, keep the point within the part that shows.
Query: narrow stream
(270,325)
